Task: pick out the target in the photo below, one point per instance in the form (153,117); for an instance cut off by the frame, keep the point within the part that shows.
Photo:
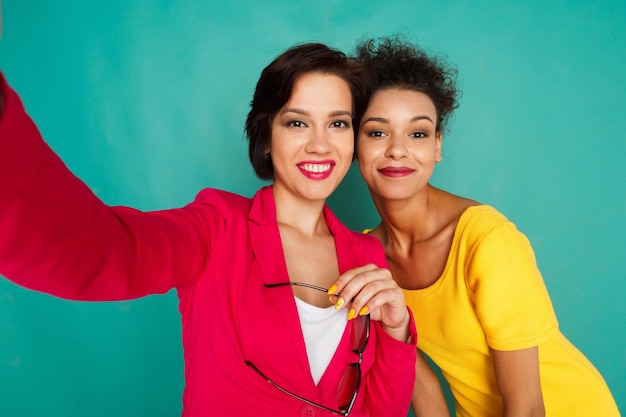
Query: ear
(438,141)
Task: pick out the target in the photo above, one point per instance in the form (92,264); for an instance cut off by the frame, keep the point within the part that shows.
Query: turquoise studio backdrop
(146,100)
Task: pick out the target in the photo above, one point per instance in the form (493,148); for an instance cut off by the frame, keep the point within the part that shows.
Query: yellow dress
(491,294)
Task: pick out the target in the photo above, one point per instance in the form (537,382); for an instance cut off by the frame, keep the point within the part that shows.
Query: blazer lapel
(267,246)
(349,250)
(269,254)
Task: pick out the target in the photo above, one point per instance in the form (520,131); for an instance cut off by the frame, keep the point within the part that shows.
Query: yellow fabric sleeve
(511,300)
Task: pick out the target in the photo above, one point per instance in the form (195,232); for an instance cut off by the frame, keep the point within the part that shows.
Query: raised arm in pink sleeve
(57,237)
(392,377)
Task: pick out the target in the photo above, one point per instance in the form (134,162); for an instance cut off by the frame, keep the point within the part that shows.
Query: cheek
(424,154)
(347,144)
(365,169)
(367,152)
(344,146)
(361,149)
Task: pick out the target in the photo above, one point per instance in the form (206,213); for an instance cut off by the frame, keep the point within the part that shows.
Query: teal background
(146,100)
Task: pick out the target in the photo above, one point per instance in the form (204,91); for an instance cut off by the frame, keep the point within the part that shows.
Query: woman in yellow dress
(480,304)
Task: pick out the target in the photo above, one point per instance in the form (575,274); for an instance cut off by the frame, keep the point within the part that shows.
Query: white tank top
(322,329)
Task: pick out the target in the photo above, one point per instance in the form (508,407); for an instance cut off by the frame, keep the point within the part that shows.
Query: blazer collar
(267,245)
(268,251)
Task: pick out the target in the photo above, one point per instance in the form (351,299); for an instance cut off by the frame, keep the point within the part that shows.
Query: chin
(318,192)
(393,194)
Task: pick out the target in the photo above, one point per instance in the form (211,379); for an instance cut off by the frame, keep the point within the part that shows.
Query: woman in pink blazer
(259,338)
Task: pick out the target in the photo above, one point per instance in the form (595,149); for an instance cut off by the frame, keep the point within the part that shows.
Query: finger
(353,282)
(358,293)
(375,292)
(349,275)
(372,290)
(382,299)
(337,293)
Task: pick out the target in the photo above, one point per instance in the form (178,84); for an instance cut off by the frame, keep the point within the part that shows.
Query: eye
(418,135)
(340,124)
(376,134)
(295,123)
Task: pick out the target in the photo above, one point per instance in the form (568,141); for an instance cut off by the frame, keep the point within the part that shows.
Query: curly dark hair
(396,62)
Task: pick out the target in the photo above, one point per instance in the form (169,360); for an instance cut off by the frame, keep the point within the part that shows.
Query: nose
(319,141)
(397,148)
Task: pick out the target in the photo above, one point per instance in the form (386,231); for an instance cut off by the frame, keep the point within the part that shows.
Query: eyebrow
(335,113)
(386,121)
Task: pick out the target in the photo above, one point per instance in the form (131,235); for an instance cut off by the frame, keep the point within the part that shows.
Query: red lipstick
(396,172)
(316,170)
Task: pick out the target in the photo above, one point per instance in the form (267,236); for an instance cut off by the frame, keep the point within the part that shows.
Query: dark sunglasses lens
(348,386)
(358,333)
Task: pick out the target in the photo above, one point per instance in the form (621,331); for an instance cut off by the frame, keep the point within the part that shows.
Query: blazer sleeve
(391,379)
(57,237)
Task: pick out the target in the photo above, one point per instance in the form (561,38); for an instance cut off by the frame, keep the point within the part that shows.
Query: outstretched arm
(1,93)
(59,238)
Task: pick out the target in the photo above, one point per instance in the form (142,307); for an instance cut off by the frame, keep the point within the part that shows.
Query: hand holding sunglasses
(371,290)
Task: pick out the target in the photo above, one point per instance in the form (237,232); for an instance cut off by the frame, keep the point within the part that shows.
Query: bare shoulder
(452,206)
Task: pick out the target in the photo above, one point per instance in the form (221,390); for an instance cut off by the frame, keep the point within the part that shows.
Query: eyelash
(295,123)
(342,123)
(380,134)
(376,134)
(336,124)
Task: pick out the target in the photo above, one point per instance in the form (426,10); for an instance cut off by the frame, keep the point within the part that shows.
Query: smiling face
(398,144)
(312,137)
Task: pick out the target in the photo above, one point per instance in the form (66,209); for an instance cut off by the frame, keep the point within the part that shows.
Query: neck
(303,215)
(404,221)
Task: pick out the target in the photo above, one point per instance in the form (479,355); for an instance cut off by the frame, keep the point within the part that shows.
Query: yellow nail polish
(351,314)
(364,311)
(339,303)
(332,289)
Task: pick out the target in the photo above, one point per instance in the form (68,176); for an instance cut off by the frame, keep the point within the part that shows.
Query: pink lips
(396,172)
(316,170)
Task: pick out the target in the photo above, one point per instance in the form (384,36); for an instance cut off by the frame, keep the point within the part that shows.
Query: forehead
(401,98)
(321,87)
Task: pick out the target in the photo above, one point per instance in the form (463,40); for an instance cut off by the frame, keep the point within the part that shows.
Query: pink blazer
(217,252)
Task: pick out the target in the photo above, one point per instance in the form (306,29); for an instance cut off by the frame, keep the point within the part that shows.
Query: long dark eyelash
(345,123)
(293,122)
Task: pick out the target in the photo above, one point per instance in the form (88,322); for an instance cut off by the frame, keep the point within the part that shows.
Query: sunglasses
(348,387)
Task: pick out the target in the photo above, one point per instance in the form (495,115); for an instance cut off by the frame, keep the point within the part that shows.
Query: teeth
(317,168)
